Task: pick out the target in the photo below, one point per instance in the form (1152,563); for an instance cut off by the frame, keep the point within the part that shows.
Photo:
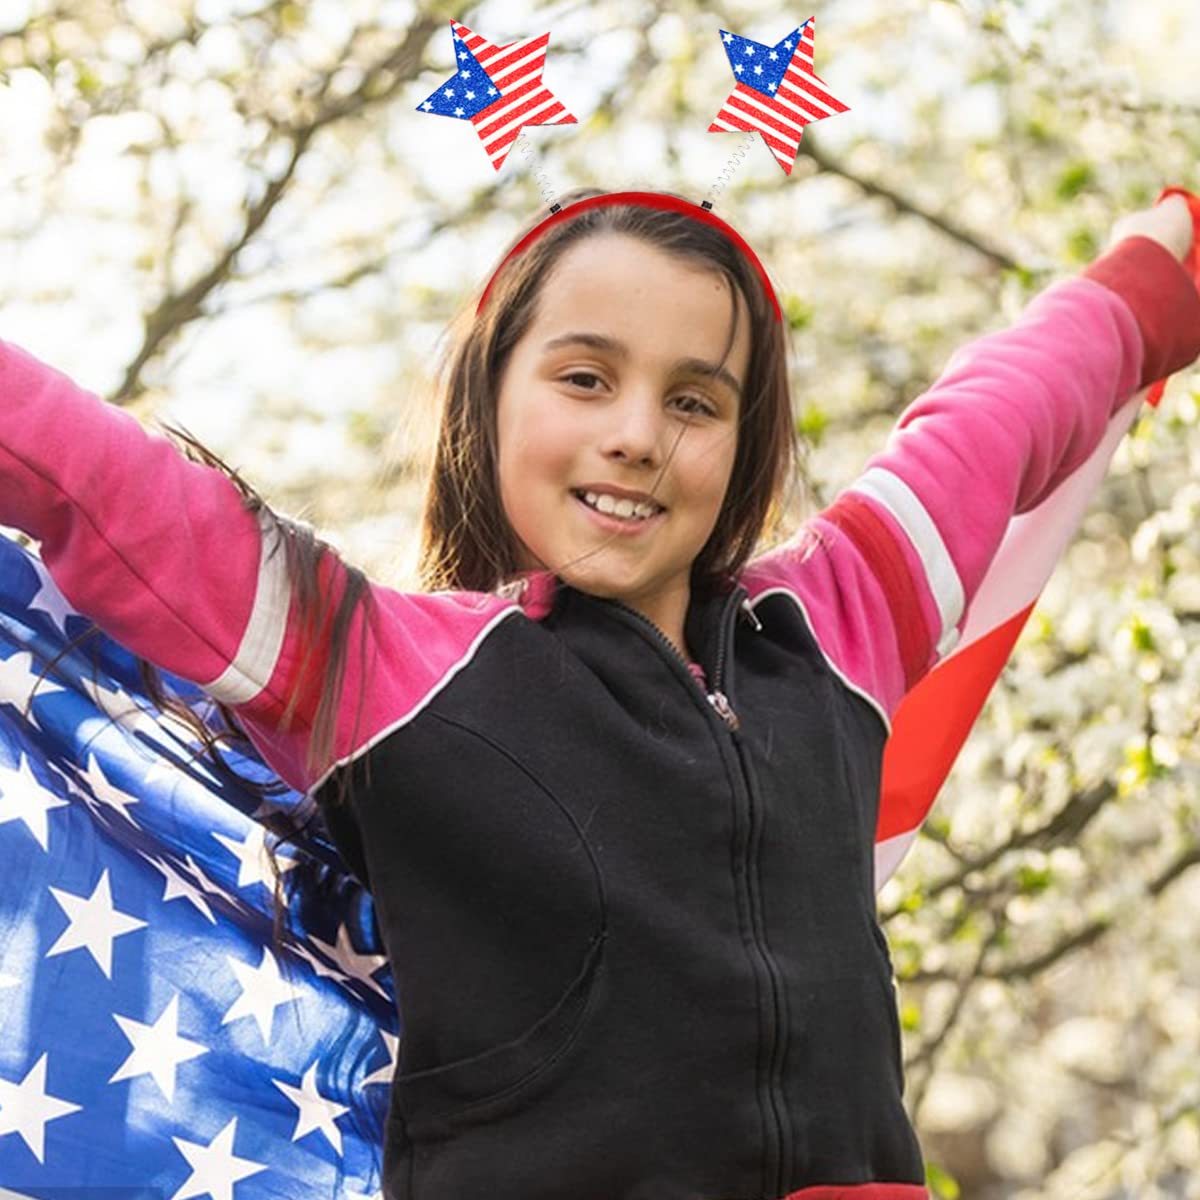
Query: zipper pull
(751,615)
(720,702)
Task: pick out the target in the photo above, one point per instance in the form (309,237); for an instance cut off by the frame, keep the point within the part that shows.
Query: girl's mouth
(623,516)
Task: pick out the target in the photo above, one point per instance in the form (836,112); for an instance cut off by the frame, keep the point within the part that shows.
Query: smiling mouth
(619,508)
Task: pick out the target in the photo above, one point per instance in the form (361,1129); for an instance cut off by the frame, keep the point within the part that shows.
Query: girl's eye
(581,375)
(695,406)
(691,405)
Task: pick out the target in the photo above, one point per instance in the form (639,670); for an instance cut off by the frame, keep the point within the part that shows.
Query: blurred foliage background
(229,214)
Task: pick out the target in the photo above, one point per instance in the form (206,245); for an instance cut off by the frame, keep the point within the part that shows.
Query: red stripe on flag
(933,722)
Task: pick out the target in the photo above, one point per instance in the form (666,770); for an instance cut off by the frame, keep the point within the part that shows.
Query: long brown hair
(466,541)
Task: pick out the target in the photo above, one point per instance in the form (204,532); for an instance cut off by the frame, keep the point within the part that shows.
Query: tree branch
(176,310)
(903,204)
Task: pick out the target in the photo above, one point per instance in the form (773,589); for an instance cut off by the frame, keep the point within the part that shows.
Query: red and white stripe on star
(516,70)
(801,98)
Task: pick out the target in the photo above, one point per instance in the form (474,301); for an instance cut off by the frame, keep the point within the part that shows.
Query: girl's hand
(1169,223)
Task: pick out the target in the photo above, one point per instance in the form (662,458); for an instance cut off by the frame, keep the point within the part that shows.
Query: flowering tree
(231,215)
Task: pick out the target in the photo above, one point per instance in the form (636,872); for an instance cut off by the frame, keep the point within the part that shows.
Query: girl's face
(605,398)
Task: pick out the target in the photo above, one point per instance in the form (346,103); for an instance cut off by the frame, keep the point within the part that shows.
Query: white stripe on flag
(1035,541)
(888,855)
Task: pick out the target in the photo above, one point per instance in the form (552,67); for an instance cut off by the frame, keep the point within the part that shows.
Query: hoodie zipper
(777,1159)
(716,697)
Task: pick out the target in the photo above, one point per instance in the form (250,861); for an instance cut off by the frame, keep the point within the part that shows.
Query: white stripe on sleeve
(262,641)
(901,501)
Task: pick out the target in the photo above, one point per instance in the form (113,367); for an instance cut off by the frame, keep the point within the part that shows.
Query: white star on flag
(316,1112)
(215,1167)
(25,1108)
(263,991)
(251,853)
(178,886)
(781,100)
(100,789)
(50,600)
(19,681)
(357,966)
(107,1056)
(384,1073)
(118,705)
(93,924)
(24,798)
(157,1049)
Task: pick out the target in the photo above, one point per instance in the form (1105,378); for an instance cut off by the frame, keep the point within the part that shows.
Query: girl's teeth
(624,507)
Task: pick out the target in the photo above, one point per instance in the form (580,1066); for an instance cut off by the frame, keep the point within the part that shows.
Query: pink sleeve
(163,555)
(886,574)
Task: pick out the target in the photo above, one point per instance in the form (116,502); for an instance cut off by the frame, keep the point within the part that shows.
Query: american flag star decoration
(499,89)
(154,1041)
(777,91)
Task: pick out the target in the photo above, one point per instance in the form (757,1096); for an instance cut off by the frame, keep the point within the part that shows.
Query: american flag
(935,718)
(499,89)
(777,91)
(153,1041)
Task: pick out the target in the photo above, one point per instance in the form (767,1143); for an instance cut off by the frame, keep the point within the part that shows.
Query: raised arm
(887,573)
(164,555)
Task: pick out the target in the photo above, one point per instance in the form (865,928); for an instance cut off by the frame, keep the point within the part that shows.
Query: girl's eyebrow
(602,341)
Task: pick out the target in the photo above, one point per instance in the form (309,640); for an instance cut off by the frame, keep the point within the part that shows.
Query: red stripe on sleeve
(855,517)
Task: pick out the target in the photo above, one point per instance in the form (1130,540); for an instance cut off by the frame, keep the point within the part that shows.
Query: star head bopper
(499,89)
(777,91)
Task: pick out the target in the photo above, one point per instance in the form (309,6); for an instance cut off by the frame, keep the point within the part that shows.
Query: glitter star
(781,98)
(515,96)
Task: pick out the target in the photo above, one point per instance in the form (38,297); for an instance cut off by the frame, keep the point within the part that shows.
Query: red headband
(648,200)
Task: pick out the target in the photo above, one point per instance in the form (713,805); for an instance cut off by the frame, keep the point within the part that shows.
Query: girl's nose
(636,431)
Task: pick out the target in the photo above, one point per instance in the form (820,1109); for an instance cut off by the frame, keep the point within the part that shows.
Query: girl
(611,782)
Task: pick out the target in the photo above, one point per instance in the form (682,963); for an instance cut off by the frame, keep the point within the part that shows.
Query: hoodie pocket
(436,1103)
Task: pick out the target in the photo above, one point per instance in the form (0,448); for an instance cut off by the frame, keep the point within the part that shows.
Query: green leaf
(1023,275)
(1075,179)
(1141,635)
(797,314)
(812,423)
(89,82)
(1038,131)
(1141,764)
(1033,880)
(943,1185)
(1082,245)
